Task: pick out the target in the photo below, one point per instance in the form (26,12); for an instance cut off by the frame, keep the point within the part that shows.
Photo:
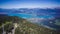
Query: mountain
(37,12)
(46,18)
(24,26)
(31,10)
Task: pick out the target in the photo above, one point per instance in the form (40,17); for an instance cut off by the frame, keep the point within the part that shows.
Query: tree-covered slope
(26,27)
(23,26)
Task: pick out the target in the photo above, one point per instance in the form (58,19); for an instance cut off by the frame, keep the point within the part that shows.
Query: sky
(29,3)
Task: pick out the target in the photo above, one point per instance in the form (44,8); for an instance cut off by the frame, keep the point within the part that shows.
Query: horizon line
(32,8)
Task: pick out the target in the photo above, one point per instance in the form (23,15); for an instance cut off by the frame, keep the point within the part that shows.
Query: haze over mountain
(48,17)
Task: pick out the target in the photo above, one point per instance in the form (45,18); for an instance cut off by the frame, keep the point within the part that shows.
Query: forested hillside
(21,26)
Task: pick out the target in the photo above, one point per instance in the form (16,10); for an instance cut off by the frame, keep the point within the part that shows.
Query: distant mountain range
(30,11)
(34,11)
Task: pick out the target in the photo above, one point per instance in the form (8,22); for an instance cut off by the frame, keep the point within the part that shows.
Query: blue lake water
(21,15)
(51,25)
